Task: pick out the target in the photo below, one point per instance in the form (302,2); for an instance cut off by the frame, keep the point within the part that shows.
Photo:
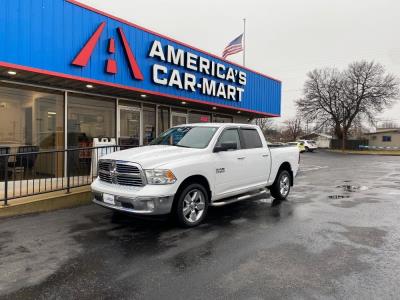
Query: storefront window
(222,119)
(163,119)
(198,117)
(149,124)
(179,117)
(89,118)
(31,118)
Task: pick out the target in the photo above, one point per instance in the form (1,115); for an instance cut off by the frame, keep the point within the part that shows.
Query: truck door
(229,167)
(257,158)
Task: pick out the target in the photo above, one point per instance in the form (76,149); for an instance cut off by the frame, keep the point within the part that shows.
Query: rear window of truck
(250,138)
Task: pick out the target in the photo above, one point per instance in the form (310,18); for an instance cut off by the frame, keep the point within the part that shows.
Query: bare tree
(387,124)
(340,98)
(293,128)
(265,124)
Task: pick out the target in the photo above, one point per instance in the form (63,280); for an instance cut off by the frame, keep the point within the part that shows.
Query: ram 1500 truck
(191,167)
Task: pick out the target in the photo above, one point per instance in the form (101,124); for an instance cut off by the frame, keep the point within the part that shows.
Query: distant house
(384,138)
(322,140)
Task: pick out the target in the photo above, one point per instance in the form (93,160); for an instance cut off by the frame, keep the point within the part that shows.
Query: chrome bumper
(160,205)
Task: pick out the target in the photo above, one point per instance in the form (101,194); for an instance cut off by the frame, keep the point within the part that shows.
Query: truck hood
(150,157)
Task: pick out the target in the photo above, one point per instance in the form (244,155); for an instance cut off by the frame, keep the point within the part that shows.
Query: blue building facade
(48,35)
(83,74)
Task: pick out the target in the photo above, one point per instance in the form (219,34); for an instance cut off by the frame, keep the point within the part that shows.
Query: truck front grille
(120,172)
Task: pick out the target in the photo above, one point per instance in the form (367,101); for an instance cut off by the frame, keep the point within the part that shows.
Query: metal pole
(65,133)
(5,180)
(244,42)
(68,172)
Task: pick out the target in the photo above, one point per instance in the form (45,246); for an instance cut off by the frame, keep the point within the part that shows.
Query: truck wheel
(281,187)
(192,205)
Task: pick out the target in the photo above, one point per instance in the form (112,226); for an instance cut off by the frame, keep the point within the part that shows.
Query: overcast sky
(285,38)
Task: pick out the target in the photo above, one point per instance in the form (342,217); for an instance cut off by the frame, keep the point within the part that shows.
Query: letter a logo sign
(84,55)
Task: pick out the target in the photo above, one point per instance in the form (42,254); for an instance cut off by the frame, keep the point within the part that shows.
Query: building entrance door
(130,123)
(178,119)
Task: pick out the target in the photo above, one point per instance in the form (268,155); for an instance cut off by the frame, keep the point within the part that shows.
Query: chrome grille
(120,172)
(105,165)
(127,169)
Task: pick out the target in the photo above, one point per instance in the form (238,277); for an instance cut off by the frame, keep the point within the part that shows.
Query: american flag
(233,47)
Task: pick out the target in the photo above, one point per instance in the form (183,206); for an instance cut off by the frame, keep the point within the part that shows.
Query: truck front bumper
(134,202)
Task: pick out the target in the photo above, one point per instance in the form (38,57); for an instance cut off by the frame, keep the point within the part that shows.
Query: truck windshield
(186,136)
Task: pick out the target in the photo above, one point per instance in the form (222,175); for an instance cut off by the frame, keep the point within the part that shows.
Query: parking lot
(338,236)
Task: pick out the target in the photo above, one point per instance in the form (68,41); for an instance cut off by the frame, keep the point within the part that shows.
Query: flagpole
(244,42)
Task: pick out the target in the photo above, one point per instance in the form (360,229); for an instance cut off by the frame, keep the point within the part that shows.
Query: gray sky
(285,38)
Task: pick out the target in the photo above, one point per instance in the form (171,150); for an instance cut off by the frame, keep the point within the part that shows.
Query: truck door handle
(241,158)
(265,155)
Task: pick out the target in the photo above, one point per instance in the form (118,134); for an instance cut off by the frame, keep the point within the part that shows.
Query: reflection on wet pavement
(337,236)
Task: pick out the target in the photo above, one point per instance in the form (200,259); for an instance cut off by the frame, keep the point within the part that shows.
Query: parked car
(299,145)
(309,145)
(191,167)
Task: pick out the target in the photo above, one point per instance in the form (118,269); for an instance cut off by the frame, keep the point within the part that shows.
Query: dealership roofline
(104,83)
(165,37)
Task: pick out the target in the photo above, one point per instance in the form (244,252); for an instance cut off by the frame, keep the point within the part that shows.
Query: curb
(363,153)
(46,202)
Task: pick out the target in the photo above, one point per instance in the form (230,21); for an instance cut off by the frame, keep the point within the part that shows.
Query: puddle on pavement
(338,196)
(352,188)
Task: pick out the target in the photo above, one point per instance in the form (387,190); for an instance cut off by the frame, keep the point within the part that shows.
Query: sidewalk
(46,202)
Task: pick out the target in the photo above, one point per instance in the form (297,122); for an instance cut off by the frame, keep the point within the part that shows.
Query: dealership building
(70,73)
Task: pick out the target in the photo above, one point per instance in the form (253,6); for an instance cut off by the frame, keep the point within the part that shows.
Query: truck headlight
(160,176)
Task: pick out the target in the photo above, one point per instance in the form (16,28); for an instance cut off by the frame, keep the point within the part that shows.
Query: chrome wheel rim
(193,205)
(284,185)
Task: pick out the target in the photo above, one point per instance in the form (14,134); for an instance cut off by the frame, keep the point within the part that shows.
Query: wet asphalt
(337,237)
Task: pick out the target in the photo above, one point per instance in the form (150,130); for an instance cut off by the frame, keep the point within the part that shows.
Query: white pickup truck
(191,167)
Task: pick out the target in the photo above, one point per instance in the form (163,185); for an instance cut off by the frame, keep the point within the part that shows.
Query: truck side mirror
(225,147)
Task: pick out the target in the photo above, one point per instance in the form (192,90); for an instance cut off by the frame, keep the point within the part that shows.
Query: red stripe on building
(135,70)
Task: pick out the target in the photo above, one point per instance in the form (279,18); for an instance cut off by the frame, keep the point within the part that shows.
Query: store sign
(84,55)
(200,74)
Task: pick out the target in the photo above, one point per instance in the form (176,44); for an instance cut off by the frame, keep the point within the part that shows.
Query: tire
(192,205)
(307,149)
(281,188)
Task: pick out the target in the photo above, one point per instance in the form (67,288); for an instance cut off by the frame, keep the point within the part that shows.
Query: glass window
(149,124)
(251,138)
(89,118)
(129,126)
(178,119)
(386,138)
(163,119)
(188,137)
(31,118)
(229,136)
(129,103)
(222,119)
(196,117)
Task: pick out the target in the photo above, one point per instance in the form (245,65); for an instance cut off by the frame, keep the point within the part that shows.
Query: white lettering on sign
(157,51)
(207,76)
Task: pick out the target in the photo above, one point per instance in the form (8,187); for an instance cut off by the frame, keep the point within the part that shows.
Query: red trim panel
(163,36)
(94,81)
(83,56)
